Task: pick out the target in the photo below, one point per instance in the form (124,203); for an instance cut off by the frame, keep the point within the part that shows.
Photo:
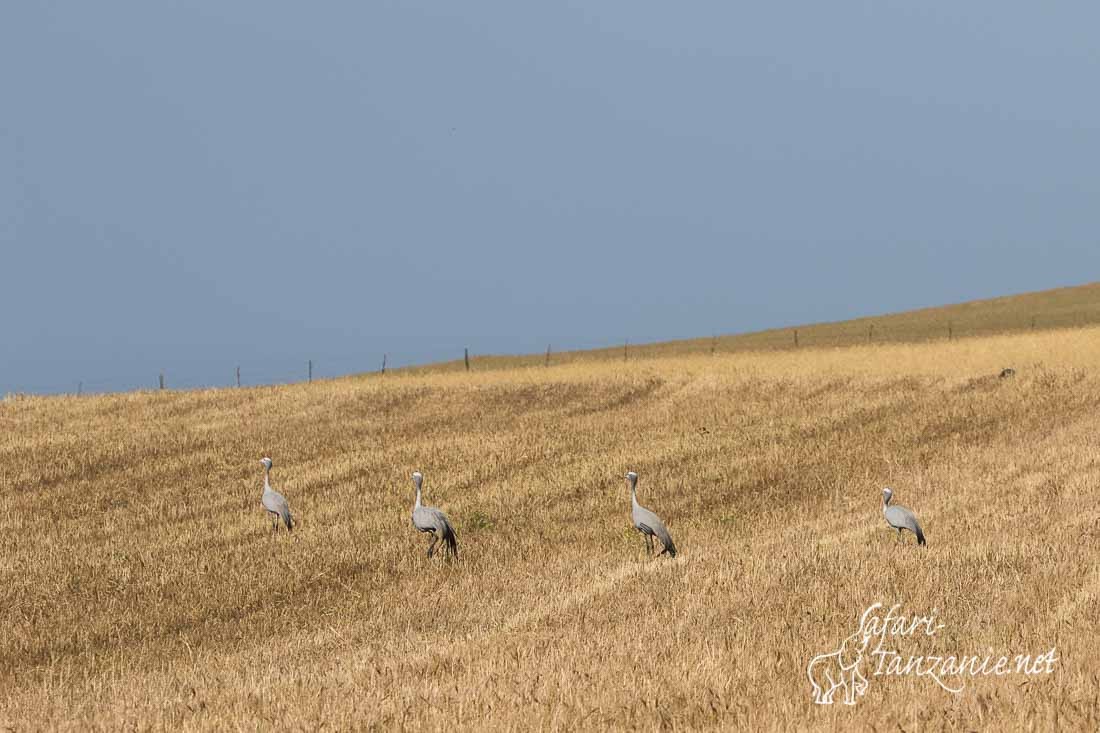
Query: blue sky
(191,186)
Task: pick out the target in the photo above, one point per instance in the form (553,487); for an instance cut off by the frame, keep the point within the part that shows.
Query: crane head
(631,477)
(887,493)
(266,463)
(417,478)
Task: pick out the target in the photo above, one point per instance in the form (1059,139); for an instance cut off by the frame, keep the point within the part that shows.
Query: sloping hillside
(1070,307)
(144,588)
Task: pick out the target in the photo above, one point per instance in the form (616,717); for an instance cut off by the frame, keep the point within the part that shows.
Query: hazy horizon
(193,188)
(318,371)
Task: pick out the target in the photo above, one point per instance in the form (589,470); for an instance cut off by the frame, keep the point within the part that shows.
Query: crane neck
(267,480)
(417,504)
(634,494)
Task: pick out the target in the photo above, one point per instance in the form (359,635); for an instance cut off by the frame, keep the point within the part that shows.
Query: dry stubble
(144,589)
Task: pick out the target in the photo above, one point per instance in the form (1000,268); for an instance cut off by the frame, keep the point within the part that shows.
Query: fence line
(824,335)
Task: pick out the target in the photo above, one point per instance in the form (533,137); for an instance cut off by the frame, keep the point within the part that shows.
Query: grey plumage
(900,517)
(430,519)
(274,502)
(648,523)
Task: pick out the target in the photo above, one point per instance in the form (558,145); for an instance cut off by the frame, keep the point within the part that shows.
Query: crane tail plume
(289,520)
(666,540)
(920,536)
(450,539)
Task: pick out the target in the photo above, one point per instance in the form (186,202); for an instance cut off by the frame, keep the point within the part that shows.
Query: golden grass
(143,588)
(1070,307)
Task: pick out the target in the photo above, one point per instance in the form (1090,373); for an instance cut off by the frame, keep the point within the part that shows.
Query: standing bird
(274,502)
(900,517)
(648,523)
(430,519)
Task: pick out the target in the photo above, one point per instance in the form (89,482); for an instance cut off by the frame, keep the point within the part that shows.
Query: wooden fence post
(548,355)
(626,347)
(238,376)
(384,363)
(79,388)
(311,371)
(466,357)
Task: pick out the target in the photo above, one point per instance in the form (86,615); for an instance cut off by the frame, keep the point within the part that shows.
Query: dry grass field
(1069,307)
(143,588)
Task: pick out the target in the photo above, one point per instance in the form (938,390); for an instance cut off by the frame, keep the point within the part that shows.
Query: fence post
(79,388)
(796,338)
(466,357)
(238,376)
(548,355)
(870,332)
(162,380)
(626,347)
(713,344)
(384,363)
(311,371)
(950,331)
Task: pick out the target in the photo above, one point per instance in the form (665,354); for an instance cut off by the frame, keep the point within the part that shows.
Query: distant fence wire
(824,335)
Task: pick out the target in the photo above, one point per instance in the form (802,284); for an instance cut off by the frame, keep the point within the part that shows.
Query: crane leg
(648,545)
(431,545)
